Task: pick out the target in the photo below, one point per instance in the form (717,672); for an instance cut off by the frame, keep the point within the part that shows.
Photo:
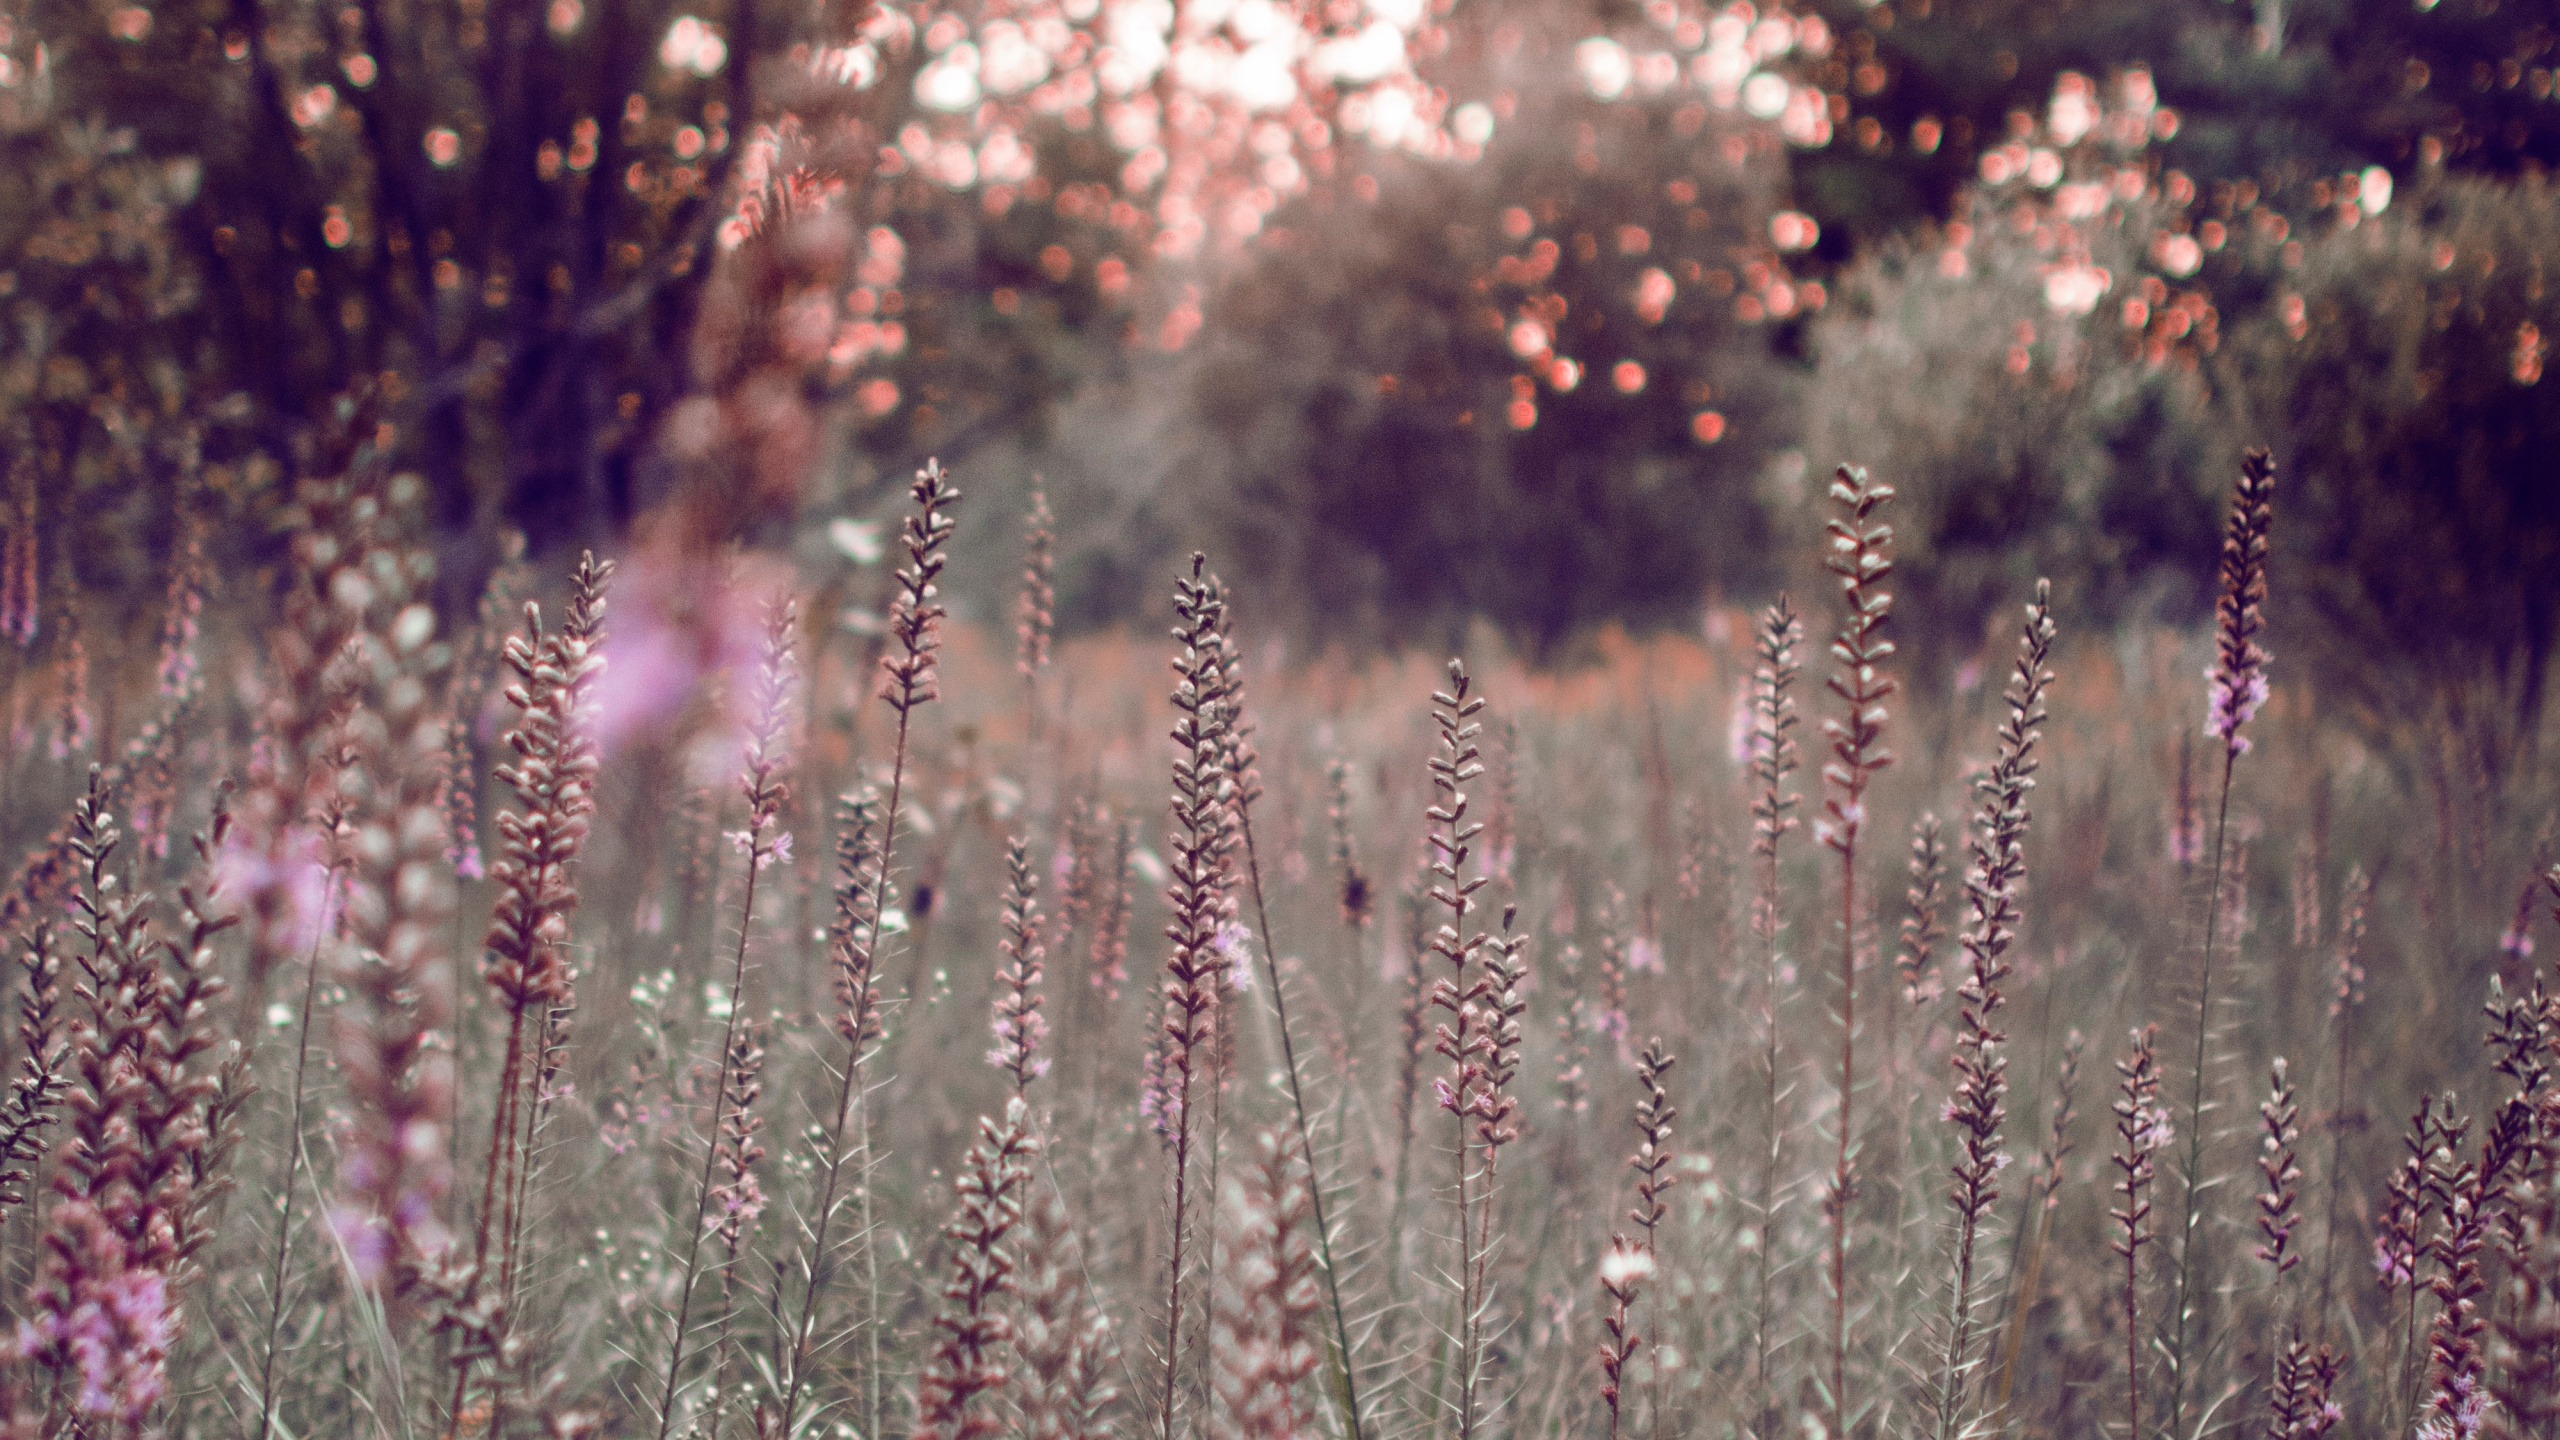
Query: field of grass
(689,1007)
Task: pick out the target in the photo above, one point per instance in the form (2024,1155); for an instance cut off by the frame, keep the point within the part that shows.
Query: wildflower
(1235,944)
(2238,676)
(2465,1418)
(117,1335)
(2234,702)
(1020,1036)
(2153,1128)
(1623,1263)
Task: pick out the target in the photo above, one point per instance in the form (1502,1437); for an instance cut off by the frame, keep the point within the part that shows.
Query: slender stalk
(1463,1038)
(2239,688)
(293,1162)
(2191,1165)
(1862,556)
(908,680)
(764,793)
(1773,759)
(554,781)
(710,1159)
(1240,759)
(1992,885)
(2141,1128)
(1838,1201)
(1195,894)
(1495,1110)
(1652,1164)
(2344,1001)
(741,1200)
(1622,1270)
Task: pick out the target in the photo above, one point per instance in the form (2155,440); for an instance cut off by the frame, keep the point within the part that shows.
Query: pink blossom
(746,843)
(1016,1035)
(677,624)
(2464,1419)
(2391,1264)
(1235,943)
(117,1334)
(2234,701)
(248,868)
(366,1238)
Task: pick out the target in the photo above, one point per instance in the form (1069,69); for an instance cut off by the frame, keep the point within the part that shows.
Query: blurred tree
(2035,380)
(2401,373)
(2278,92)
(583,256)
(1533,386)
(490,224)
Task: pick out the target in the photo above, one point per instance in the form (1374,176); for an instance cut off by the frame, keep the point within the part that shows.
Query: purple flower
(2186,839)
(367,1241)
(1235,943)
(779,848)
(2236,696)
(1018,1035)
(2391,1263)
(117,1333)
(247,869)
(677,624)
(2464,1419)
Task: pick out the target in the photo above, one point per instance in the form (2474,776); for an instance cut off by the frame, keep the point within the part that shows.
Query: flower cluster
(1018,1024)
(2239,673)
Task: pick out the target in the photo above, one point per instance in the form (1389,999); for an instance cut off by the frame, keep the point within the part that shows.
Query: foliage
(1514,387)
(2403,369)
(2033,382)
(2277,92)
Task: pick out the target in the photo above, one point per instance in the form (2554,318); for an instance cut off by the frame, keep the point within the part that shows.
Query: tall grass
(1312,1180)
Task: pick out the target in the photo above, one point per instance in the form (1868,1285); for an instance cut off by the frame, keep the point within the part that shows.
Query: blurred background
(1417,314)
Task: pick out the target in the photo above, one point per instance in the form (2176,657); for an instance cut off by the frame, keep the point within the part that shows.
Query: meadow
(692,1002)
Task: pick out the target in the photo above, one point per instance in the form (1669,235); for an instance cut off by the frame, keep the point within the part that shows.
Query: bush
(2032,423)
(1534,387)
(2400,375)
